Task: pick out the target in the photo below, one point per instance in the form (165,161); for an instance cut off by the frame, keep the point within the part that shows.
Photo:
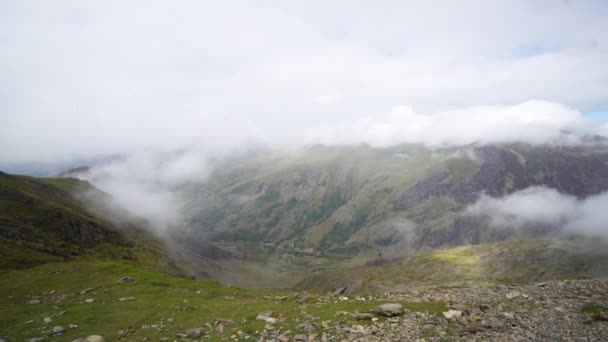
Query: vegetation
(162,305)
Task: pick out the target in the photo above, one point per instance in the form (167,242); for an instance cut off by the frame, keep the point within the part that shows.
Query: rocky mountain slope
(365,203)
(61,219)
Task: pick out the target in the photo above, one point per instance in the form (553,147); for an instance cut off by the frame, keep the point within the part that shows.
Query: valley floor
(120,302)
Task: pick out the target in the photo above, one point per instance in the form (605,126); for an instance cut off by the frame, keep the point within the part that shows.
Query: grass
(473,265)
(163,305)
(594,308)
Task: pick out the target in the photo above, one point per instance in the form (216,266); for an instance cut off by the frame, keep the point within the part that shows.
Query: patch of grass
(163,305)
(594,308)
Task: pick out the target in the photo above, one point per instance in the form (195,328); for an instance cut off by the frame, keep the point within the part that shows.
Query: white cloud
(146,183)
(532,121)
(541,205)
(81,79)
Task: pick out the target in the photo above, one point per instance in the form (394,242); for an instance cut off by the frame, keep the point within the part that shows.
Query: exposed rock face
(334,202)
(504,171)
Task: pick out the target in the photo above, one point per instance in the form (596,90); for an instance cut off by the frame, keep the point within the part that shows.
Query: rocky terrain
(351,201)
(572,310)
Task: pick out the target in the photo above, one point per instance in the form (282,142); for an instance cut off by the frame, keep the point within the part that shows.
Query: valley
(308,247)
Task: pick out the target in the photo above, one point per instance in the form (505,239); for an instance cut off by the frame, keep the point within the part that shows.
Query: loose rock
(389,310)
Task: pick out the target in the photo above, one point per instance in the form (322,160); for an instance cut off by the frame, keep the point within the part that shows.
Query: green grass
(593,308)
(176,304)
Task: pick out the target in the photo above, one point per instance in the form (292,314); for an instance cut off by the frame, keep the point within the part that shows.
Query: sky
(85,79)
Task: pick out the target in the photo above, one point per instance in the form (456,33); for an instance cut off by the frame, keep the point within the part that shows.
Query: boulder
(389,310)
(451,314)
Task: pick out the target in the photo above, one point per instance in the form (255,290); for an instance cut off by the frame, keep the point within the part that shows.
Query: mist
(545,206)
(169,87)
(147,184)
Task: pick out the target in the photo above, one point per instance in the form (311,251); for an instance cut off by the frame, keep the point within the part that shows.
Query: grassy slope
(504,262)
(160,299)
(37,219)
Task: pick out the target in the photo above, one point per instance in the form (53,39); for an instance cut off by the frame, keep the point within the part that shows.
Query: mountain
(362,203)
(357,233)
(46,220)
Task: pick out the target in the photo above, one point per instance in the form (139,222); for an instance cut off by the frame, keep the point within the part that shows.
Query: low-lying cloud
(547,207)
(535,122)
(147,184)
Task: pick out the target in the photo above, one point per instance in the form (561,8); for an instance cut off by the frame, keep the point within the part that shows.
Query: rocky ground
(574,310)
(570,310)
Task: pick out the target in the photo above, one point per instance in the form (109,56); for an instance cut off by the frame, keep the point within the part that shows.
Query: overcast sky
(80,79)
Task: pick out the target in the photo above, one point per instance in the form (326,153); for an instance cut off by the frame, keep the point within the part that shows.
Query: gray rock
(389,310)
(124,280)
(306,326)
(363,316)
(47,320)
(58,329)
(36,339)
(452,314)
(264,316)
(126,299)
(95,338)
(86,290)
(89,300)
(513,294)
(494,324)
(193,333)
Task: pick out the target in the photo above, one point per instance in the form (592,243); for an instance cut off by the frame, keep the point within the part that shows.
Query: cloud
(147,184)
(532,121)
(81,79)
(547,207)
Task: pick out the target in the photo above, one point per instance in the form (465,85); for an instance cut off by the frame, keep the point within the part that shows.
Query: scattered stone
(124,280)
(339,291)
(363,316)
(494,324)
(508,315)
(263,316)
(89,300)
(513,294)
(301,299)
(85,291)
(34,301)
(126,299)
(95,338)
(451,314)
(60,314)
(459,307)
(389,310)
(73,326)
(58,329)
(36,339)
(307,326)
(47,320)
(192,333)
